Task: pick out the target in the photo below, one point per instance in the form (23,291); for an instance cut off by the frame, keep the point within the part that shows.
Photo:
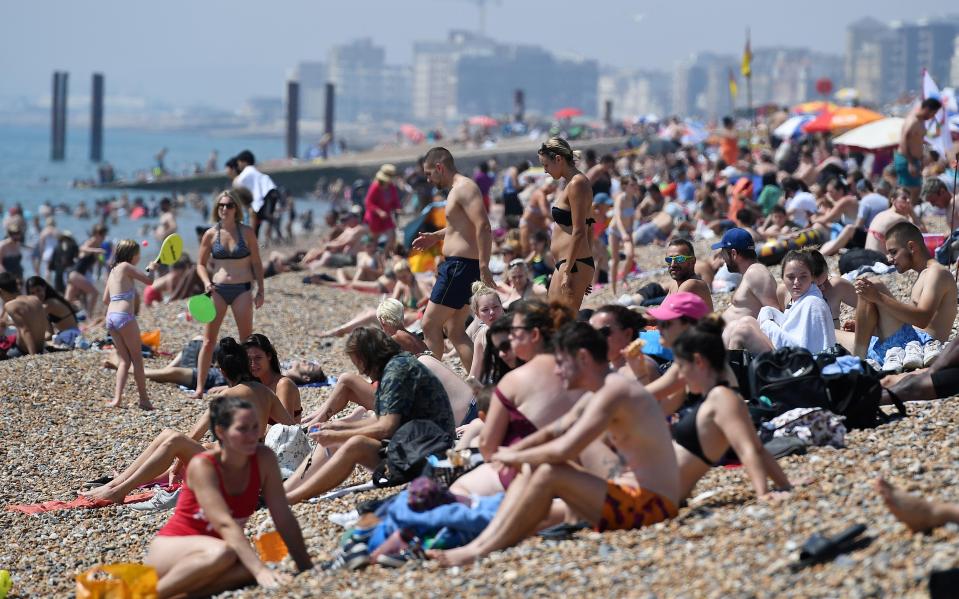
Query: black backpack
(856,394)
(405,454)
(782,380)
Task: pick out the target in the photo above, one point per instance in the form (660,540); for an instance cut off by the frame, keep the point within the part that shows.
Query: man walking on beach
(908,156)
(639,489)
(262,189)
(467,243)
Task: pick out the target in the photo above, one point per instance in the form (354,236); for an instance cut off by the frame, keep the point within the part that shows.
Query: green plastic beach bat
(201,308)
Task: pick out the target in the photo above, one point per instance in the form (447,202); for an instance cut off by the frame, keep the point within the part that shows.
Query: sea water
(29,178)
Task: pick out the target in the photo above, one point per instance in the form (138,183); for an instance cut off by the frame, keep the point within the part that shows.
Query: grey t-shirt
(870,205)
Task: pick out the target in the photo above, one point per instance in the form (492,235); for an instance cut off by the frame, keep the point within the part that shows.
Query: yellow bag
(117,581)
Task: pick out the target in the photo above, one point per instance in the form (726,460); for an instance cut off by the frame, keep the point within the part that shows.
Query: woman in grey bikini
(233,247)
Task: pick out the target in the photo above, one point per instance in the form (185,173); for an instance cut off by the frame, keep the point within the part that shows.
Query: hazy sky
(219,52)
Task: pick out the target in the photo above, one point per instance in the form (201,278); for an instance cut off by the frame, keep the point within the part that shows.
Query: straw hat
(386,173)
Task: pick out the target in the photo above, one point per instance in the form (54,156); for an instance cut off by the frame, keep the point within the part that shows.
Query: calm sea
(29,177)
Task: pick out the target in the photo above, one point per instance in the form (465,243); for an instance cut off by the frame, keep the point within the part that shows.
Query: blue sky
(219,53)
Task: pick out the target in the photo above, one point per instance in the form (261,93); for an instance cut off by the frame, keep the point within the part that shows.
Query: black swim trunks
(454,279)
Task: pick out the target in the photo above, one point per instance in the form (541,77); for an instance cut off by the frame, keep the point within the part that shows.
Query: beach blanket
(80,503)
(456,523)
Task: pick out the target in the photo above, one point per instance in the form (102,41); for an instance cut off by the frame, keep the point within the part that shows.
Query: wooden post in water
(519,105)
(608,113)
(96,119)
(292,118)
(328,107)
(58,114)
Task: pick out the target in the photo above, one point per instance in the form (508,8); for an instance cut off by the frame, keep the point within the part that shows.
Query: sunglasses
(605,330)
(226,205)
(664,324)
(517,262)
(677,259)
(504,347)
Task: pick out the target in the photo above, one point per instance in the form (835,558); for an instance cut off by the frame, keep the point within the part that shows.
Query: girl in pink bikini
(121,323)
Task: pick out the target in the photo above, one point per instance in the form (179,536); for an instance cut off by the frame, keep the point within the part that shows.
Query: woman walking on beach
(234,249)
(121,323)
(571,233)
(202,549)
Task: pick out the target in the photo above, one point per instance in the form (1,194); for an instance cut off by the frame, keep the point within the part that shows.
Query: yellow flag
(733,88)
(747,68)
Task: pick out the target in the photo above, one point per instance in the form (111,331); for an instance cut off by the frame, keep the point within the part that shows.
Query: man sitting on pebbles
(406,390)
(641,489)
(758,287)
(907,335)
(681,260)
(27,314)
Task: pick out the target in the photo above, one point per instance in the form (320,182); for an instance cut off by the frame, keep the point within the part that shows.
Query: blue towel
(462,523)
(843,365)
(654,347)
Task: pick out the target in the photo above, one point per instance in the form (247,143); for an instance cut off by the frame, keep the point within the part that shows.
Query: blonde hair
(126,251)
(557,146)
(479,290)
(390,312)
(401,264)
(237,197)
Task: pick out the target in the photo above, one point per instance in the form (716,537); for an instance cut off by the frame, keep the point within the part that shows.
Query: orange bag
(271,547)
(151,339)
(117,581)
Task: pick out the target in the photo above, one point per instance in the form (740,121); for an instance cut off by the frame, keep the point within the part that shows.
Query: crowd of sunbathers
(574,418)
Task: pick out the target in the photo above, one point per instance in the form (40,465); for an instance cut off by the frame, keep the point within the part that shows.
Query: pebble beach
(57,433)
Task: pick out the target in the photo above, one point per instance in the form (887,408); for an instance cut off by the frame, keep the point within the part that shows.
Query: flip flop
(98,482)
(564,531)
(820,548)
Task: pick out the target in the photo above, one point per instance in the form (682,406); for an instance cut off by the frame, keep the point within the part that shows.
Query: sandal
(820,548)
(564,531)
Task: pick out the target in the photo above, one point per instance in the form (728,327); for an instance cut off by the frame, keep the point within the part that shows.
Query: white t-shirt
(258,183)
(800,207)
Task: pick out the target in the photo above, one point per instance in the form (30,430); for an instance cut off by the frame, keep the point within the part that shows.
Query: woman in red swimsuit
(202,549)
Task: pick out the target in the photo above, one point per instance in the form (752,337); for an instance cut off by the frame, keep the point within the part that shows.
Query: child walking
(122,325)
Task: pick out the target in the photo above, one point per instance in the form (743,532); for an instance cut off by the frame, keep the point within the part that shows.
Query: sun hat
(386,173)
(680,304)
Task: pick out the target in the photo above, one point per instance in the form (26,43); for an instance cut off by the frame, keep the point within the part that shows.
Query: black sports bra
(221,253)
(565,217)
(686,434)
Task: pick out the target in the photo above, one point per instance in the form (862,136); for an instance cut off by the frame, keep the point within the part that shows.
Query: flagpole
(749,81)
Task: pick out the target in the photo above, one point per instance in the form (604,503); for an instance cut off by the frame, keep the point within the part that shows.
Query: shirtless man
(926,321)
(640,490)
(342,250)
(167,225)
(900,211)
(758,287)
(681,259)
(935,191)
(467,242)
(27,314)
(908,156)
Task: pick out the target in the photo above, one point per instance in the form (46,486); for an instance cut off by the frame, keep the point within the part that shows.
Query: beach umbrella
(883,133)
(412,133)
(812,107)
(483,121)
(567,113)
(841,119)
(792,126)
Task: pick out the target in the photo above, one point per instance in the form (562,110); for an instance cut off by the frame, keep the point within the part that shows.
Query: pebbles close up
(57,433)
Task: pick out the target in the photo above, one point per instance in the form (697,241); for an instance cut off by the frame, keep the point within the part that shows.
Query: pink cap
(679,304)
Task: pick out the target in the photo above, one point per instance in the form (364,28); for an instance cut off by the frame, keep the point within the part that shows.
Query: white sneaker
(892,362)
(912,356)
(930,350)
(160,502)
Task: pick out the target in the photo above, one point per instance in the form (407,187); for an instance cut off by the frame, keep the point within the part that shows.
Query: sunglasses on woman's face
(677,259)
(504,347)
(605,330)
(226,205)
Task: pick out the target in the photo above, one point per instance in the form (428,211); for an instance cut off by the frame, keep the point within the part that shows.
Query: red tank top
(188,518)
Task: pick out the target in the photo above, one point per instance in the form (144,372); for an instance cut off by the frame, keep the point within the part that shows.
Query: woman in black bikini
(60,313)
(571,235)
(232,283)
(718,425)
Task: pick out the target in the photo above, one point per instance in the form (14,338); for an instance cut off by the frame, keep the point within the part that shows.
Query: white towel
(806,323)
